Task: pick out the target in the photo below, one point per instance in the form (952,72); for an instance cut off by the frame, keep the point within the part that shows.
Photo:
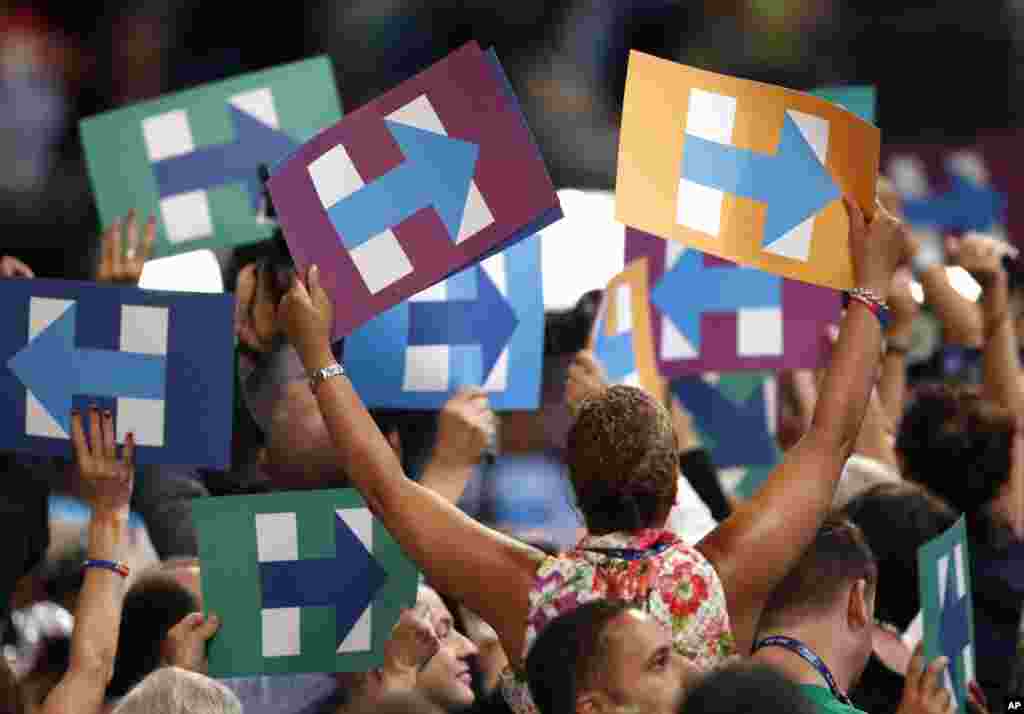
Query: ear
(859,609)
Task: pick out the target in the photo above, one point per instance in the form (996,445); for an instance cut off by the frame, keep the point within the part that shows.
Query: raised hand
(123,263)
(924,691)
(464,428)
(306,315)
(11,267)
(981,256)
(877,247)
(106,480)
(586,378)
(185,644)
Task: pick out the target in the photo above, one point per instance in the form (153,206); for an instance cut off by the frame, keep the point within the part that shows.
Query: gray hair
(171,690)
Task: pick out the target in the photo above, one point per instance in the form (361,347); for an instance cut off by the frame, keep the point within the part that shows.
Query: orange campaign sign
(746,171)
(622,339)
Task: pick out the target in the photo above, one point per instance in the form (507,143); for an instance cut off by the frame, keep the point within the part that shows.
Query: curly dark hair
(623,459)
(957,443)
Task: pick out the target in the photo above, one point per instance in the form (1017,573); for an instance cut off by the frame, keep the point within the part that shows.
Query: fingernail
(107,413)
(93,408)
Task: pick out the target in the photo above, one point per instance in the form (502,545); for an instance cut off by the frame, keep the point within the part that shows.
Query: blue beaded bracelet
(113,566)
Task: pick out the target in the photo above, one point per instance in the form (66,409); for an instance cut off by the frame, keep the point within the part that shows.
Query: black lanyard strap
(808,655)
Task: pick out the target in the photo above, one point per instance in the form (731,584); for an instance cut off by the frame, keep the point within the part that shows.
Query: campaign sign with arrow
(193,158)
(482,327)
(162,362)
(708,314)
(312,581)
(944,572)
(745,171)
(415,186)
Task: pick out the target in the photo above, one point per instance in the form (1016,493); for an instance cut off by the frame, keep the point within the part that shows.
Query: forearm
(97,623)
(961,319)
(848,381)
(892,385)
(876,440)
(448,480)
(1001,364)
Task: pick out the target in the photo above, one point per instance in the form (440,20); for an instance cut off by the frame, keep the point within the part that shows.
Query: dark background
(943,73)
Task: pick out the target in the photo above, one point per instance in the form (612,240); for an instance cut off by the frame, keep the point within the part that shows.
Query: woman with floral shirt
(623,463)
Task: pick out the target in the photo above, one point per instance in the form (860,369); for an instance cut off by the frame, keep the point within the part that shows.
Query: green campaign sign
(193,158)
(859,99)
(305,581)
(944,572)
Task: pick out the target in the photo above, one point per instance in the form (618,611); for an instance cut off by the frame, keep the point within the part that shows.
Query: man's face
(446,680)
(643,670)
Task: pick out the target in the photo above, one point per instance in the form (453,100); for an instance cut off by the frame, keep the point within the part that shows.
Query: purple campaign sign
(418,184)
(726,318)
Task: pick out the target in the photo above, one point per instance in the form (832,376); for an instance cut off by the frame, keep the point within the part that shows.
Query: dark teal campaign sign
(161,362)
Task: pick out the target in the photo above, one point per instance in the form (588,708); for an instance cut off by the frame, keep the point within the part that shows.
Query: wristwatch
(325,373)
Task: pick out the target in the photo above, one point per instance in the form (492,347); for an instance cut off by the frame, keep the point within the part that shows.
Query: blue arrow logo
(437,171)
(740,431)
(237,161)
(953,633)
(690,290)
(488,321)
(967,206)
(792,183)
(347,582)
(54,370)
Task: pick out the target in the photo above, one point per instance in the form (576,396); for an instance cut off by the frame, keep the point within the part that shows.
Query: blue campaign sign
(967,206)
(691,289)
(793,183)
(737,429)
(482,327)
(162,362)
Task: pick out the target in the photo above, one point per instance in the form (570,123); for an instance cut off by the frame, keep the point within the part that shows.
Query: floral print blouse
(653,568)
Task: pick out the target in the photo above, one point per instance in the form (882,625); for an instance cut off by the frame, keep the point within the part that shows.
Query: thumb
(209,627)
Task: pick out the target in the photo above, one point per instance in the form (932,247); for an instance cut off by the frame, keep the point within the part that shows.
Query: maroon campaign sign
(435,175)
(708,314)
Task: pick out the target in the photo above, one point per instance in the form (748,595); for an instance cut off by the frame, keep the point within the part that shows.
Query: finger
(855,215)
(106,250)
(95,432)
(190,622)
(148,239)
(128,453)
(913,676)
(208,628)
(115,245)
(932,680)
(313,278)
(107,427)
(952,247)
(131,246)
(19,268)
(78,437)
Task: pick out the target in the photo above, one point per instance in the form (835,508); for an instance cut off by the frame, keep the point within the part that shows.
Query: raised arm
(756,546)
(489,572)
(107,484)
(464,427)
(892,384)
(961,319)
(982,257)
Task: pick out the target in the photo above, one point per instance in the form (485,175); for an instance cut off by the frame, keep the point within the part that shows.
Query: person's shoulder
(824,702)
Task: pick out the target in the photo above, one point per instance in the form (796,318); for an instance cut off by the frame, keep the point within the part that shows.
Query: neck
(821,641)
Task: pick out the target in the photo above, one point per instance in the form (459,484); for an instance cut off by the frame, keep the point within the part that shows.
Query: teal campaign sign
(861,99)
(303,581)
(734,414)
(193,158)
(944,572)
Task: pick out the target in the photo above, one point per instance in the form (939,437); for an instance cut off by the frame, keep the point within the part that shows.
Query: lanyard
(631,554)
(807,654)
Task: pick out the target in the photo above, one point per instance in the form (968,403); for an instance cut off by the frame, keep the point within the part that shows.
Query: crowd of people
(678,598)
